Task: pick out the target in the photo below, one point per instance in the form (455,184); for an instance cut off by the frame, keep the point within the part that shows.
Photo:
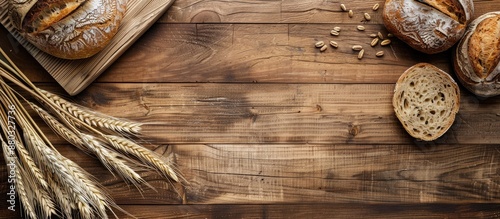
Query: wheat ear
(112,160)
(58,127)
(148,157)
(36,183)
(27,203)
(42,202)
(62,199)
(30,165)
(93,118)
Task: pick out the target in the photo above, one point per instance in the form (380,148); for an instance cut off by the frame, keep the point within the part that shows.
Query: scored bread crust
(426,100)
(429,26)
(477,56)
(68,29)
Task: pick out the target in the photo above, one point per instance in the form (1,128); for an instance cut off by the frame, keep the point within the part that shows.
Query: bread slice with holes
(426,100)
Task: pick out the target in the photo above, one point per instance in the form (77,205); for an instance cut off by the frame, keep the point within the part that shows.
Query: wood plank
(264,53)
(312,174)
(287,11)
(268,52)
(279,113)
(320,211)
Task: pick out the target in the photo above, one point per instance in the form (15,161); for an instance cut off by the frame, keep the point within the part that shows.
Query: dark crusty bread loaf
(69,29)
(425,101)
(477,56)
(429,26)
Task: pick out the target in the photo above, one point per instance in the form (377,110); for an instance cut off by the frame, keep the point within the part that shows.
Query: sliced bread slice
(425,101)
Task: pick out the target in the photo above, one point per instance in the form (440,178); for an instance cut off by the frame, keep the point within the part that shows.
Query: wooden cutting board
(75,75)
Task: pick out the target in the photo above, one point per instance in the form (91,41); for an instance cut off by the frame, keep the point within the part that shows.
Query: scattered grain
(379,54)
(343,7)
(351,13)
(323,48)
(375,7)
(319,44)
(334,33)
(334,44)
(360,28)
(380,35)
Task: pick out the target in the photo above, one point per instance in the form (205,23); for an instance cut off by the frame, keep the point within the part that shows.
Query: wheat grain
(72,178)
(37,183)
(93,118)
(111,160)
(146,156)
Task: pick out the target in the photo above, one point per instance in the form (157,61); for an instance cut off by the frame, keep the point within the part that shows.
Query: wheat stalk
(146,156)
(111,160)
(71,177)
(27,203)
(93,118)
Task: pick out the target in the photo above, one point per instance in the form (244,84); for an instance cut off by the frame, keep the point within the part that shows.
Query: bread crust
(426,100)
(429,26)
(476,59)
(68,29)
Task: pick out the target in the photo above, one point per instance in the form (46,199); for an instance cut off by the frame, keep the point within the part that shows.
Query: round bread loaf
(429,26)
(426,100)
(477,56)
(68,29)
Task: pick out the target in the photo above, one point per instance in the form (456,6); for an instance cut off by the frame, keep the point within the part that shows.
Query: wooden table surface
(263,125)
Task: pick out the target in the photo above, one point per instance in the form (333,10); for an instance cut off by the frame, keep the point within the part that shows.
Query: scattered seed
(380,36)
(374,42)
(385,42)
(336,29)
(360,54)
(334,33)
(373,35)
(357,47)
(351,13)
(342,6)
(334,44)
(379,54)
(319,44)
(367,16)
(323,48)
(390,35)
(376,6)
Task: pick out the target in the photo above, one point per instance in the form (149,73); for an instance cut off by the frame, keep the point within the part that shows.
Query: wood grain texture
(263,125)
(264,53)
(315,174)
